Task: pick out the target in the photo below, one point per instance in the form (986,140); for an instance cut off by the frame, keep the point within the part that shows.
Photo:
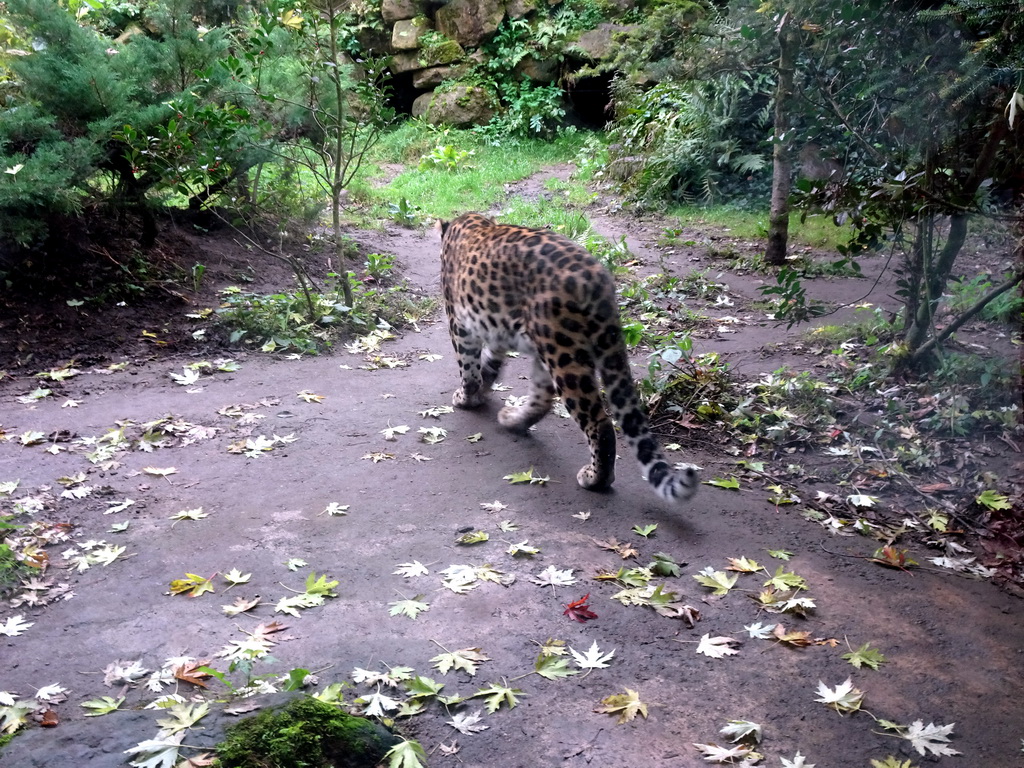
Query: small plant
(678,381)
(792,306)
(379,265)
(870,327)
(12,568)
(447,158)
(404,212)
(698,284)
(278,321)
(198,270)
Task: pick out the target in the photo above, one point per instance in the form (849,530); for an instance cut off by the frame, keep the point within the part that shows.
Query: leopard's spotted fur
(536,292)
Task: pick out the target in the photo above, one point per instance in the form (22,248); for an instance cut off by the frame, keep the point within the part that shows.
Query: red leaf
(579,610)
(49,719)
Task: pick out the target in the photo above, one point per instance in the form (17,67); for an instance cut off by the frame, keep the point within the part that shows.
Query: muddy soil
(953,644)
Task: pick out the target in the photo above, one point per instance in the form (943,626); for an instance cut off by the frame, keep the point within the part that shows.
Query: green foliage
(671,38)
(689,141)
(791,304)
(76,90)
(436,49)
(872,326)
(278,321)
(404,212)
(12,568)
(447,158)
(529,108)
(379,265)
(1006,308)
(681,382)
(303,734)
(282,321)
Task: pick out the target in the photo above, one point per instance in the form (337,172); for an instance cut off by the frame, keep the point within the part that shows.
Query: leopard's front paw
(460,399)
(590,478)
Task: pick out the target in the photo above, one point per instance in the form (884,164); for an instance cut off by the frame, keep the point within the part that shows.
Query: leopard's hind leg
(578,386)
(469,352)
(520,418)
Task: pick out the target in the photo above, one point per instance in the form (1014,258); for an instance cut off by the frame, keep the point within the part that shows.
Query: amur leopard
(536,292)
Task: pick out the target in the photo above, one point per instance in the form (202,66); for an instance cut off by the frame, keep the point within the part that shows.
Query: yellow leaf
(291,19)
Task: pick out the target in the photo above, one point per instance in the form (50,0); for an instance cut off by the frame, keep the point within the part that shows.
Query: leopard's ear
(442,226)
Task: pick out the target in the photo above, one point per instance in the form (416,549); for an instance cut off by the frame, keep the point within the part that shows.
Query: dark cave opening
(589,101)
(403,93)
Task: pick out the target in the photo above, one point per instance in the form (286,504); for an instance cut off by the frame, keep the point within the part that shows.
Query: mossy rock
(442,51)
(306,733)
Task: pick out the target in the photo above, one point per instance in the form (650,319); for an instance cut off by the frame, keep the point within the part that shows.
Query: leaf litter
(925,739)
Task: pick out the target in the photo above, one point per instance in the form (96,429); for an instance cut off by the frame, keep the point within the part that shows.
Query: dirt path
(953,645)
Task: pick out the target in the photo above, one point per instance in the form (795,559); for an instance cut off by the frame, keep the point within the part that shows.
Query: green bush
(683,141)
(63,129)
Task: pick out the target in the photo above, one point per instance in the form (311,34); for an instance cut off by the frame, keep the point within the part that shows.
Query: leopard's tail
(672,483)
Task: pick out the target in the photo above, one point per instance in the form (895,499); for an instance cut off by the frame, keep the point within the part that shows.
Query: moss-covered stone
(436,50)
(458,105)
(306,733)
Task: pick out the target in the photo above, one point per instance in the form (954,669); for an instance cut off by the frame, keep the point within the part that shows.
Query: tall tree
(782,141)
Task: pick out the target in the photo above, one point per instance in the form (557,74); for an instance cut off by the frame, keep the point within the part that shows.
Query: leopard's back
(539,293)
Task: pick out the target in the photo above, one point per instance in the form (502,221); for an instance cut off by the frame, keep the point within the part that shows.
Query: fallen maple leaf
(49,719)
(718,581)
(865,656)
(465,659)
(844,698)
(743,565)
(160,471)
(796,638)
(930,738)
(467,723)
(193,584)
(191,673)
(627,705)
(554,577)
(553,667)
(409,570)
(742,730)
(715,754)
(717,647)
(579,610)
(892,557)
(625,551)
(14,625)
(593,658)
(495,695)
(241,605)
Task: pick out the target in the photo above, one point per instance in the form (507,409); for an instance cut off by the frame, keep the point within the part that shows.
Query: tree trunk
(782,160)
(337,131)
(935,271)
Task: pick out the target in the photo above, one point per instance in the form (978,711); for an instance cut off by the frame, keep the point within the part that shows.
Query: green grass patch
(473,183)
(555,214)
(871,326)
(815,231)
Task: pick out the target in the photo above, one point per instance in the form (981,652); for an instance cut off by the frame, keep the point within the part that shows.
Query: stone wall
(422,61)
